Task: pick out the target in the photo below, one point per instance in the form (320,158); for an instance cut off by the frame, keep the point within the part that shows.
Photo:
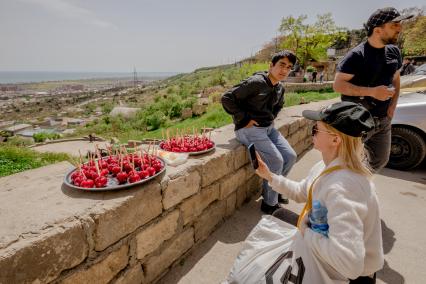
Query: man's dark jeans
(378,143)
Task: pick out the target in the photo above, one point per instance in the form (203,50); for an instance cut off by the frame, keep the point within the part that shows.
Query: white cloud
(62,8)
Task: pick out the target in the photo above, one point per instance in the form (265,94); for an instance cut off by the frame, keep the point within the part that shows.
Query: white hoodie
(354,244)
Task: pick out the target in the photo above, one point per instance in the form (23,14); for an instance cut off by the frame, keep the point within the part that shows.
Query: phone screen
(253,157)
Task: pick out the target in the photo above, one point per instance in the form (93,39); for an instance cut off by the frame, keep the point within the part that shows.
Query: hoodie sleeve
(297,191)
(294,190)
(344,249)
(277,108)
(232,101)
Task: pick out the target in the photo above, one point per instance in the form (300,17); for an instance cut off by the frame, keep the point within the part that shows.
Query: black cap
(349,118)
(385,15)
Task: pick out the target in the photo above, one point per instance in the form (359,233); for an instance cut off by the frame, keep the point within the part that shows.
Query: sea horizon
(16,77)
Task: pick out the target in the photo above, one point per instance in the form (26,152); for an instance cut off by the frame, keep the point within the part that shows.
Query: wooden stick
(133,162)
(97,169)
(81,159)
(141,157)
(121,162)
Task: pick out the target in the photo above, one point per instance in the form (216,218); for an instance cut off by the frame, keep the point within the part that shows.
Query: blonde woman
(340,182)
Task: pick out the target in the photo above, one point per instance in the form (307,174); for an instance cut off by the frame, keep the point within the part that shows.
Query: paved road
(402,197)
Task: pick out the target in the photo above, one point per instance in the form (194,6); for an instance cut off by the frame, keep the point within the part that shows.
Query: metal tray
(112,181)
(195,153)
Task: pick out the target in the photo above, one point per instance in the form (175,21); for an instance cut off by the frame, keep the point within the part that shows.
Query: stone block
(155,265)
(193,207)
(254,186)
(186,113)
(240,157)
(300,134)
(230,183)
(284,130)
(217,165)
(241,196)
(42,260)
(303,122)
(199,109)
(249,171)
(209,219)
(153,236)
(292,140)
(180,188)
(133,275)
(230,204)
(128,215)
(103,271)
(133,143)
(294,125)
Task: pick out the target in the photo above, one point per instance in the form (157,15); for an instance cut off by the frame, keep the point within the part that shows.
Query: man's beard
(390,40)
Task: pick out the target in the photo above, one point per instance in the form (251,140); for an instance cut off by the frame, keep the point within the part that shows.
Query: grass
(292,99)
(130,129)
(217,117)
(15,159)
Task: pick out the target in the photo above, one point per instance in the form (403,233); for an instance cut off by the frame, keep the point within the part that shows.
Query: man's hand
(251,123)
(381,93)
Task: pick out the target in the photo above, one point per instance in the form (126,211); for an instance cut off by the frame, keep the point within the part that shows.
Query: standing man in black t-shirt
(369,75)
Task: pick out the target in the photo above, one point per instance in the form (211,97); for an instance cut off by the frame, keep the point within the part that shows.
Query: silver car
(408,148)
(417,79)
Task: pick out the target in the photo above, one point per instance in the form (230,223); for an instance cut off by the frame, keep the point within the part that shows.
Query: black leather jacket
(254,98)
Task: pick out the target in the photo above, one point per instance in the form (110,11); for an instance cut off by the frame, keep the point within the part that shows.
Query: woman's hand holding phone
(263,170)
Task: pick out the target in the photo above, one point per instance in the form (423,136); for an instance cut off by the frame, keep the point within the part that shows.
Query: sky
(154,35)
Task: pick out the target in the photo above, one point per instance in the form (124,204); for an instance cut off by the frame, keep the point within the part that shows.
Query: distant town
(61,106)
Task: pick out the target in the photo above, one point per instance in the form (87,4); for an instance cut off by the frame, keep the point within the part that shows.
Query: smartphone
(253,158)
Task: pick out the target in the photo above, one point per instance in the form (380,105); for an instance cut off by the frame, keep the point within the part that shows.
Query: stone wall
(53,234)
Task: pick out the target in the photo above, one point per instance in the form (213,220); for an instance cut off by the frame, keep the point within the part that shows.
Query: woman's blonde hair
(352,152)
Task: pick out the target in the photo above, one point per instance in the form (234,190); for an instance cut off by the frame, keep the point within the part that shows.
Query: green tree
(414,41)
(310,41)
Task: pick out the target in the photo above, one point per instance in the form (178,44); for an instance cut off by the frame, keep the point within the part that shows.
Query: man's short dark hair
(284,54)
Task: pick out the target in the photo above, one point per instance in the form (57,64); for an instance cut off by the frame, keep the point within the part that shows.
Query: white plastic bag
(275,252)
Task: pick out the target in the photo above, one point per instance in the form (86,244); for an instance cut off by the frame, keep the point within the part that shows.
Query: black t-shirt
(371,67)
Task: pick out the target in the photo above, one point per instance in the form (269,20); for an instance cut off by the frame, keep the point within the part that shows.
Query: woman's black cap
(349,118)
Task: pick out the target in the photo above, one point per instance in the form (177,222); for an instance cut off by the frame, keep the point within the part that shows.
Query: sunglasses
(315,130)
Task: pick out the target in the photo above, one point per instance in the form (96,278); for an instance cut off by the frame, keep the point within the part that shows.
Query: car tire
(408,149)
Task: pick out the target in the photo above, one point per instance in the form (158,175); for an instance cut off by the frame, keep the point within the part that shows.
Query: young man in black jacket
(254,104)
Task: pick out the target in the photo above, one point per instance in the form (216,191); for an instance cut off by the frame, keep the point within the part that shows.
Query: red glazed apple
(122,177)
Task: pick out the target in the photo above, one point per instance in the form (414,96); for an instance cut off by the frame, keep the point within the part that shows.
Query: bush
(107,107)
(19,141)
(175,110)
(42,136)
(310,69)
(155,120)
(189,102)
